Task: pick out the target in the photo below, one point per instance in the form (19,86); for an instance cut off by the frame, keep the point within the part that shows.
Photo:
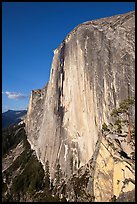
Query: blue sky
(30,33)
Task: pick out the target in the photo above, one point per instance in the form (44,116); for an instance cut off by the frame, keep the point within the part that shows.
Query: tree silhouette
(71,164)
(58,173)
(124,108)
(47,176)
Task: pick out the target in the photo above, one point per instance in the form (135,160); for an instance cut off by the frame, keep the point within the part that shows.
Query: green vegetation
(105,127)
(121,117)
(79,185)
(58,173)
(47,177)
(30,177)
(11,136)
(124,111)
(118,123)
(71,164)
(29,181)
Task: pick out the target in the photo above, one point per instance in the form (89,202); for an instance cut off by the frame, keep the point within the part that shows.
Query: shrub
(105,127)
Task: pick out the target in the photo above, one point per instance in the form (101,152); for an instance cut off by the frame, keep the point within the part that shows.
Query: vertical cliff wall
(92,71)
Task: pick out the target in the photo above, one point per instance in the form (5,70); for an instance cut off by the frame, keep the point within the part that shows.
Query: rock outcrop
(92,71)
(106,175)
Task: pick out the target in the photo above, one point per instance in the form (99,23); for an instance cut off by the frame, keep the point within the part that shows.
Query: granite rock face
(107,174)
(114,174)
(92,71)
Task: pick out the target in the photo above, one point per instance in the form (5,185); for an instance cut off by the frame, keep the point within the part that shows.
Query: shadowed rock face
(92,71)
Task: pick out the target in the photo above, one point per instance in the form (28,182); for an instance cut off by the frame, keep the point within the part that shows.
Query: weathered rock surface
(92,71)
(12,156)
(114,174)
(108,174)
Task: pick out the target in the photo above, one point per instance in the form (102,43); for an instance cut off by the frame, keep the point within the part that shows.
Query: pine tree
(58,173)
(71,164)
(51,185)
(124,108)
(47,176)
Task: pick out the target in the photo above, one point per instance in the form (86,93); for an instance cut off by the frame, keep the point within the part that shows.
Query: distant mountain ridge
(11,117)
